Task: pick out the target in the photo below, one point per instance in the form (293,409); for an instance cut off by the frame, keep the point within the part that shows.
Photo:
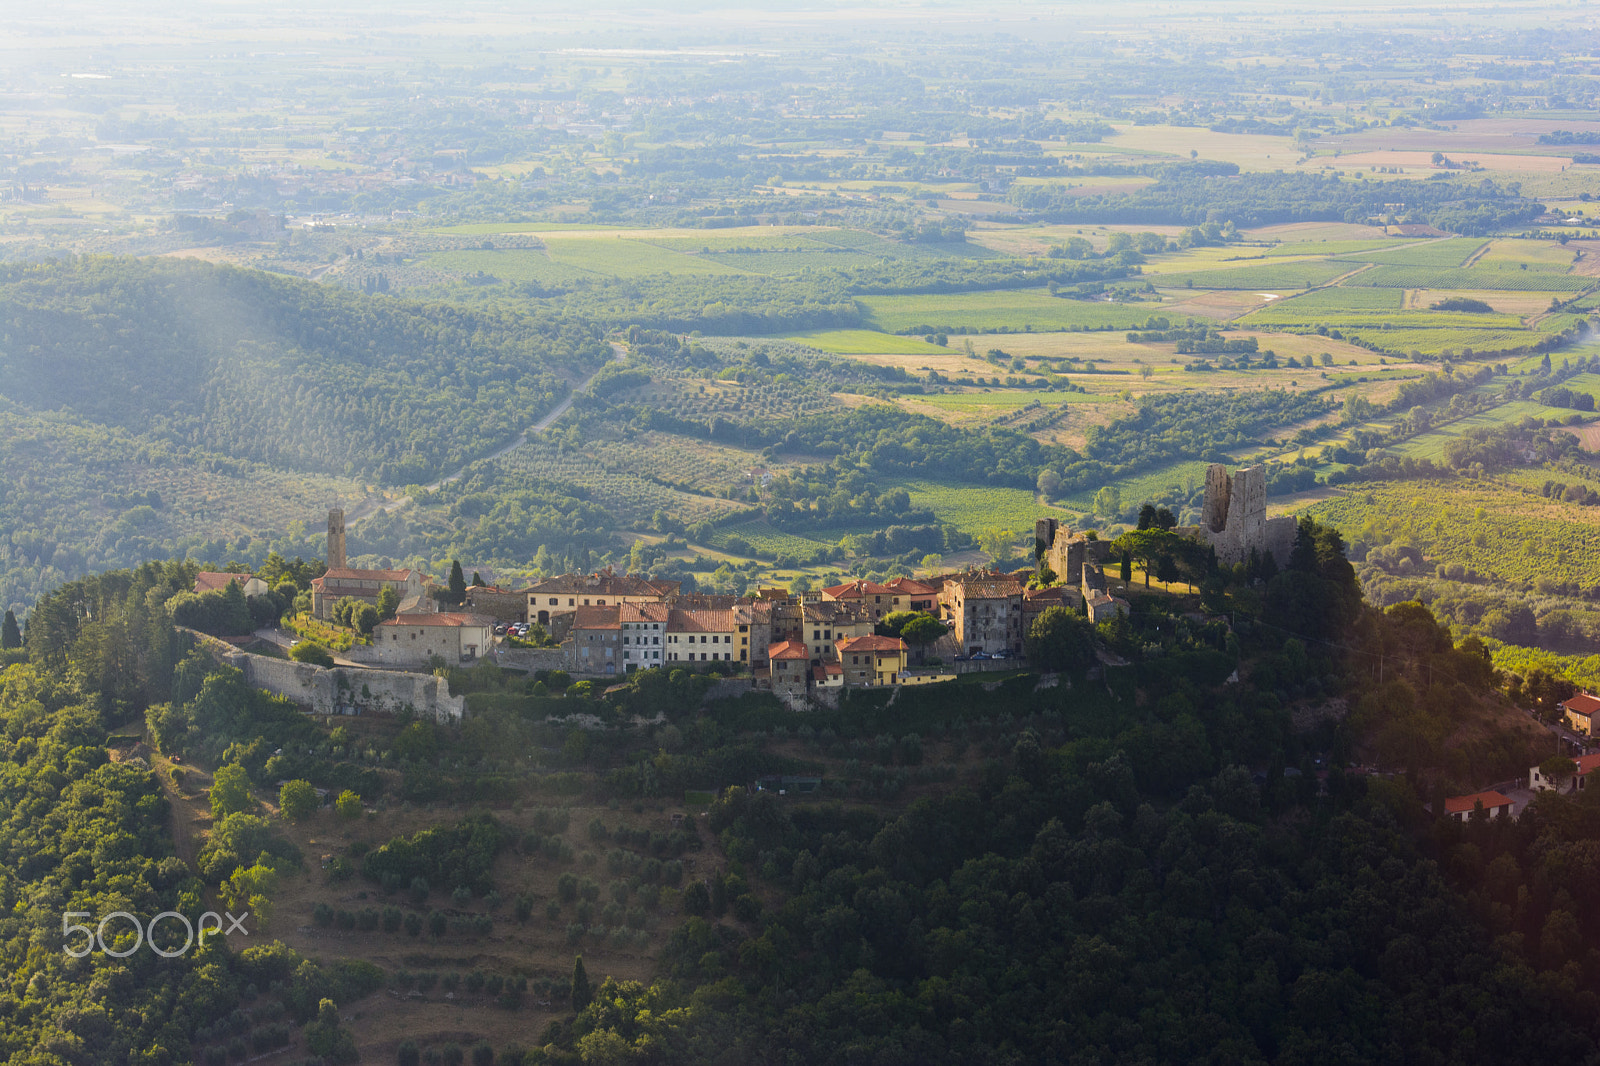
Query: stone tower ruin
(1234,519)
(336,539)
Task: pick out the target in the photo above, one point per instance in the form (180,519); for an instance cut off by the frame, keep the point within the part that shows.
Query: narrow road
(370,507)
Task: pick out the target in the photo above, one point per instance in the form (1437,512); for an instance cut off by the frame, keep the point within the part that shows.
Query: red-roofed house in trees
(872,661)
(1573,782)
(1580,711)
(213,581)
(1495,805)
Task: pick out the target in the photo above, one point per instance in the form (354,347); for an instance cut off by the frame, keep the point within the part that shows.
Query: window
(572,601)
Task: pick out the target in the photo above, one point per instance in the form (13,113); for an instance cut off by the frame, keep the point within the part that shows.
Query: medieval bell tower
(336,539)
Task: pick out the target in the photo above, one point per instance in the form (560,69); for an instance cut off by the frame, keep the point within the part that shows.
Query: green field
(994,402)
(1406,277)
(1446,253)
(511,264)
(975,508)
(767,541)
(1287,314)
(1135,490)
(780,264)
(1014,310)
(1432,445)
(862,342)
(472,229)
(1335,247)
(1435,341)
(620,257)
(1263,277)
(1339,298)
(1509,536)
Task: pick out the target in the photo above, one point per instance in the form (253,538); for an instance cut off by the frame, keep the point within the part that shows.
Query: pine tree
(10,634)
(581,993)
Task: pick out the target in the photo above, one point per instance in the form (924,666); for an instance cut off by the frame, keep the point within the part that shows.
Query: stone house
(791,665)
(642,632)
(1579,712)
(699,636)
(594,640)
(907,594)
(503,605)
(984,612)
(827,621)
(413,639)
(754,622)
(555,597)
(871,661)
(878,599)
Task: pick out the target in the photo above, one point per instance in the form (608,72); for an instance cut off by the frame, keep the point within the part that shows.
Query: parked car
(500,630)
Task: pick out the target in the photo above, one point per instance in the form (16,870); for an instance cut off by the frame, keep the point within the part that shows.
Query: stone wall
(531,659)
(346,690)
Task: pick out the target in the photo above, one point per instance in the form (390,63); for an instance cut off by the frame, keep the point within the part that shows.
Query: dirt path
(370,507)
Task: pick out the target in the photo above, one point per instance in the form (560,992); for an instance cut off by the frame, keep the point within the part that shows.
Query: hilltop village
(802,646)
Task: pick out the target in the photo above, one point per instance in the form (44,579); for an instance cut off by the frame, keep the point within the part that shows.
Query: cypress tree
(458,583)
(581,993)
(10,634)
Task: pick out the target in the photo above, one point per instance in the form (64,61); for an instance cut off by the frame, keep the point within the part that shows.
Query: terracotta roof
(752,613)
(989,586)
(604,584)
(213,581)
(837,611)
(908,587)
(1583,704)
(451,620)
(1458,804)
(1587,764)
(1054,594)
(827,670)
(788,649)
(855,590)
(597,617)
(643,612)
(872,643)
(690,620)
(367,575)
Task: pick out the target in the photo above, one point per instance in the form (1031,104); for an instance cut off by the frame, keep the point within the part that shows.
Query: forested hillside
(1085,872)
(262,367)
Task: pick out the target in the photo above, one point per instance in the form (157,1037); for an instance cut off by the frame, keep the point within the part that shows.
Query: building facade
(415,639)
(984,612)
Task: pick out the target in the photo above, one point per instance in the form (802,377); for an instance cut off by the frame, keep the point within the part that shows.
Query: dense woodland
(1189,907)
